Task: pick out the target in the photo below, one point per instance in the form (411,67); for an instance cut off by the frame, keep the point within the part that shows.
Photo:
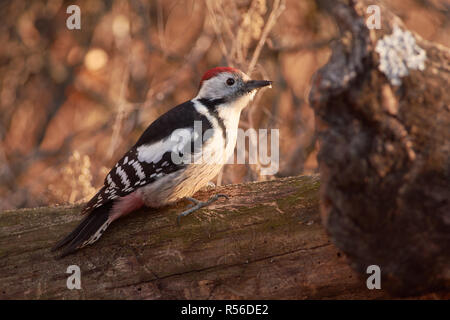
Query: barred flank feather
(88,231)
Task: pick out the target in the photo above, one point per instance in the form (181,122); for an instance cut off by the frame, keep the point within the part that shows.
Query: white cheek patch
(216,87)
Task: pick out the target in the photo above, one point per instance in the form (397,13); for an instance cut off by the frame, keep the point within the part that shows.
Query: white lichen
(399,53)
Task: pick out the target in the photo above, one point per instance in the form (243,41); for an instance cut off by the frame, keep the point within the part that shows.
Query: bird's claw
(196,204)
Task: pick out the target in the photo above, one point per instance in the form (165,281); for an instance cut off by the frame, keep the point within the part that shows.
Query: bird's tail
(88,231)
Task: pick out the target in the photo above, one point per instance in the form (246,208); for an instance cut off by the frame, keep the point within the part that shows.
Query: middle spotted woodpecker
(179,153)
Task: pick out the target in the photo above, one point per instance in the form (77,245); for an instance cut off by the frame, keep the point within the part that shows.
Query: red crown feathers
(215,71)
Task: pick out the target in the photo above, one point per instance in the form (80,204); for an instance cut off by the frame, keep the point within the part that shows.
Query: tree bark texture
(385,155)
(265,242)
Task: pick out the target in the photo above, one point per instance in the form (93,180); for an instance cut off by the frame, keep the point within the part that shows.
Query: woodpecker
(179,153)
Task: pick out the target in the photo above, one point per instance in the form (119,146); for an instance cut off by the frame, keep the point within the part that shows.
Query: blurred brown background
(73,101)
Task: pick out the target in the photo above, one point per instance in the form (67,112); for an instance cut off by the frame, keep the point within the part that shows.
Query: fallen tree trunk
(265,242)
(383,117)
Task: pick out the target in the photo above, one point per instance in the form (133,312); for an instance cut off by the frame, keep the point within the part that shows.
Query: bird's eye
(230,81)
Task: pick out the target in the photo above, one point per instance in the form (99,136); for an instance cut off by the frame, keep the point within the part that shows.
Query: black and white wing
(156,154)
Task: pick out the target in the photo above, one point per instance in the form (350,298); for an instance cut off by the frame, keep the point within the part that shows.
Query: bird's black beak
(256,84)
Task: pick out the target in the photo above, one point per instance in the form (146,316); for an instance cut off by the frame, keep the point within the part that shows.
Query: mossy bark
(266,241)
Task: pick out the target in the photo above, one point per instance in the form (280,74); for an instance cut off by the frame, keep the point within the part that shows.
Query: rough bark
(385,156)
(265,242)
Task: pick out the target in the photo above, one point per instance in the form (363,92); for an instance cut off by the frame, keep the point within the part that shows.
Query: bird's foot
(196,204)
